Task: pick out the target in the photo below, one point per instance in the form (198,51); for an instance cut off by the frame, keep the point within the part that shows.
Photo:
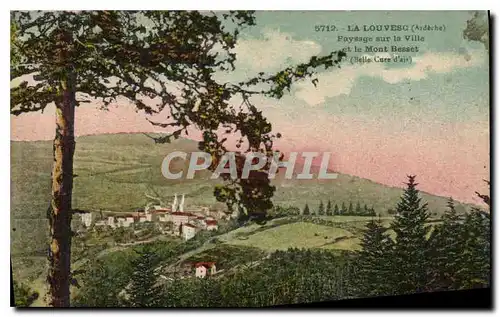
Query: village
(176,220)
(185,222)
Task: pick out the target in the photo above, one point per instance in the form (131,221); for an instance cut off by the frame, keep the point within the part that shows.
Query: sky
(381,121)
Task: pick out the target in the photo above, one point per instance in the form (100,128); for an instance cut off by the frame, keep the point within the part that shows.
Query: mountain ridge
(298,166)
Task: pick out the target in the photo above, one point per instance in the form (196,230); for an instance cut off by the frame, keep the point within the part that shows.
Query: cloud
(341,81)
(272,51)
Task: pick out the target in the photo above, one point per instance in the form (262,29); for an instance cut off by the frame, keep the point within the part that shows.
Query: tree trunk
(62,182)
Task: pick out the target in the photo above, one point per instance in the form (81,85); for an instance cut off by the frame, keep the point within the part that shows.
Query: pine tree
(321,209)
(143,290)
(351,210)
(475,259)
(374,269)
(358,211)
(102,285)
(329,210)
(336,210)
(446,247)
(343,209)
(411,247)
(477,246)
(67,58)
(306,211)
(365,210)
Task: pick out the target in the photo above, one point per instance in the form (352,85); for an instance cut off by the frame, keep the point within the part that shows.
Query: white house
(205,268)
(111,221)
(188,231)
(130,220)
(124,221)
(120,222)
(87,219)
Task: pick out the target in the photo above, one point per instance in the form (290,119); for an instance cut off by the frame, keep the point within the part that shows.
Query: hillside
(113,172)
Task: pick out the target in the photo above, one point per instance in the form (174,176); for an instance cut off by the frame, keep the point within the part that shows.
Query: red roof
(200,217)
(205,264)
(211,222)
(161,210)
(178,213)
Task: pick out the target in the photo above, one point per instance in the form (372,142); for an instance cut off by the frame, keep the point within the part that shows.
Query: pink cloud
(449,159)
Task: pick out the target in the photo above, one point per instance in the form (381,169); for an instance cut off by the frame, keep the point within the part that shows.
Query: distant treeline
(328,210)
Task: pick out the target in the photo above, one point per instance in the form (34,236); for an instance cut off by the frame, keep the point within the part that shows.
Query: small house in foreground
(211,224)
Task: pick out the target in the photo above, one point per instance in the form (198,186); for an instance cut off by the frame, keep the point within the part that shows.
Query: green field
(294,235)
(342,233)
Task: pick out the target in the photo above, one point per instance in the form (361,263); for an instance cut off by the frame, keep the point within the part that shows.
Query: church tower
(174,204)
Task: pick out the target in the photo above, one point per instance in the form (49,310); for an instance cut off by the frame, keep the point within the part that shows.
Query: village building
(203,269)
(87,219)
(179,218)
(200,222)
(193,219)
(164,217)
(162,210)
(197,213)
(211,225)
(100,223)
(120,222)
(111,221)
(215,214)
(188,231)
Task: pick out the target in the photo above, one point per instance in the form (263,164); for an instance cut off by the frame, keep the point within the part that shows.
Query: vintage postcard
(248,158)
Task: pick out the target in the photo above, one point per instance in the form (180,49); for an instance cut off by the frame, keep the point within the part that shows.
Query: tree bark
(62,180)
